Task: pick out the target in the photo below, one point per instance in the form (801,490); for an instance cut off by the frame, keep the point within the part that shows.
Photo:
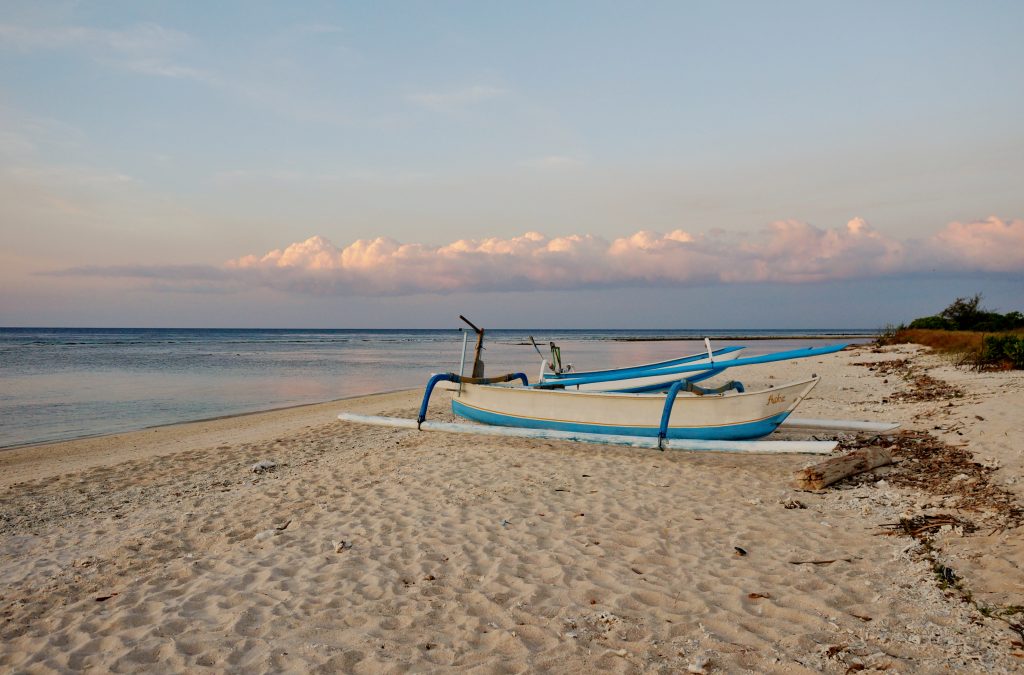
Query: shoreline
(22,446)
(29,462)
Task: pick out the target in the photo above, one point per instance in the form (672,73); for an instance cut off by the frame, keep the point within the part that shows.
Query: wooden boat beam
(808,424)
(478,365)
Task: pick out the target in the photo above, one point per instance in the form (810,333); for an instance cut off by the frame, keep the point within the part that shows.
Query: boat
(732,414)
(686,410)
(686,417)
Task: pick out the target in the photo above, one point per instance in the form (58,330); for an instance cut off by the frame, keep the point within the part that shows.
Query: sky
(574,164)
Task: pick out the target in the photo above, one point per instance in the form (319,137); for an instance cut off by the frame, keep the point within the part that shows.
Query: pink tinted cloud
(788,251)
(797,252)
(990,245)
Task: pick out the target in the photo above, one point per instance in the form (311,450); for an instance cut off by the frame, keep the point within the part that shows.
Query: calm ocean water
(61,383)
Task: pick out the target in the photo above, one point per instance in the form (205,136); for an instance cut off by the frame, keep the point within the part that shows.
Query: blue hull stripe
(732,432)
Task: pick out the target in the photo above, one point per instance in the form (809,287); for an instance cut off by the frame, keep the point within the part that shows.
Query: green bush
(1002,350)
(994,322)
(964,313)
(968,314)
(932,323)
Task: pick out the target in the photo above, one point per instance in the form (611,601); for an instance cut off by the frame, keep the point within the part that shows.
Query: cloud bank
(789,251)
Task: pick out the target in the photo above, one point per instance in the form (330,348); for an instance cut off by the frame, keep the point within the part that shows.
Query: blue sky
(155,156)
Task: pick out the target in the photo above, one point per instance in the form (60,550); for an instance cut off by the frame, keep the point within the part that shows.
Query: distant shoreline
(542,329)
(670,338)
(862,337)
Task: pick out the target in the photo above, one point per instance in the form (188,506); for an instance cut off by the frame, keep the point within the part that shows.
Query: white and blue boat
(685,411)
(686,417)
(709,415)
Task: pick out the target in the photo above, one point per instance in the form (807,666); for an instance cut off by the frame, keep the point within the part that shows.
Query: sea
(64,383)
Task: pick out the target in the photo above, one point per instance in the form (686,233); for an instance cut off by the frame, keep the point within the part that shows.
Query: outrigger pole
(611,376)
(478,365)
(684,444)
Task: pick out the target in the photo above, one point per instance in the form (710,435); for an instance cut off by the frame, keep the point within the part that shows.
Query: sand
(370,550)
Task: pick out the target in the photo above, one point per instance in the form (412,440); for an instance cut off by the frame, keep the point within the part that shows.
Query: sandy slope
(379,550)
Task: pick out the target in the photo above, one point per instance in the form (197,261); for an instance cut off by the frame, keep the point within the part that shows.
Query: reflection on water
(65,383)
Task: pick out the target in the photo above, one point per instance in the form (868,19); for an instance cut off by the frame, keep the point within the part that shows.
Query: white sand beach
(374,550)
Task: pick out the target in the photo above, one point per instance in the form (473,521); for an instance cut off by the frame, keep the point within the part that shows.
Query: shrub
(964,313)
(890,335)
(968,314)
(932,323)
(993,322)
(1002,351)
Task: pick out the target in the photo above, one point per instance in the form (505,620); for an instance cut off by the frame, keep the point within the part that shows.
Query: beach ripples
(381,550)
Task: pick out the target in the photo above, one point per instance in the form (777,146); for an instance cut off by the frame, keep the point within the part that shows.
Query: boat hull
(730,416)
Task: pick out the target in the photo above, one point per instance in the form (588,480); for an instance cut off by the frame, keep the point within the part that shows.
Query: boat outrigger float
(726,418)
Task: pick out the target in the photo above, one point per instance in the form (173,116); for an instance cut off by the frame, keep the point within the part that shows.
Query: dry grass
(965,345)
(942,340)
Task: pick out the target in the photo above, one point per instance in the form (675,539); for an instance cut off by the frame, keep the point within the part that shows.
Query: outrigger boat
(685,411)
(723,413)
(686,417)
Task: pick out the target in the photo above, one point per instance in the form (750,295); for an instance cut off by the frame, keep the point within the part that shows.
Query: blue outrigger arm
(666,412)
(452,377)
(764,358)
(673,391)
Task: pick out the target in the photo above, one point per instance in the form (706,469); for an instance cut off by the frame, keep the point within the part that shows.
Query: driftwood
(825,473)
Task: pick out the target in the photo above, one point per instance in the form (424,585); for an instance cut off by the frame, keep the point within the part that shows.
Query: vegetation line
(977,337)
